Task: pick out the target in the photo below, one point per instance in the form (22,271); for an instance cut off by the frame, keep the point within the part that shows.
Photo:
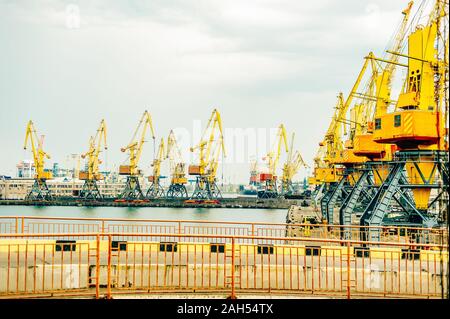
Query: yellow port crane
(324,170)
(210,147)
(273,156)
(374,171)
(132,188)
(39,190)
(92,175)
(418,128)
(290,168)
(177,188)
(376,104)
(156,190)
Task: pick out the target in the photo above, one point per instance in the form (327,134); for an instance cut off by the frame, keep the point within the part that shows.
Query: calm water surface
(211,214)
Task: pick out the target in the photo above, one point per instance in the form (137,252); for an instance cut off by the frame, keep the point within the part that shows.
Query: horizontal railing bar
(443,229)
(308,239)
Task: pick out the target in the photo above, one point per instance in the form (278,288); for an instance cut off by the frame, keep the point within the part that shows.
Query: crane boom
(39,154)
(155,189)
(95,147)
(135,146)
(385,78)
(274,155)
(291,167)
(157,161)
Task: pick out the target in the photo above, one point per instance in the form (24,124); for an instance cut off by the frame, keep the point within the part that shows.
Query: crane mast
(156,190)
(210,147)
(177,188)
(273,156)
(132,190)
(92,175)
(39,190)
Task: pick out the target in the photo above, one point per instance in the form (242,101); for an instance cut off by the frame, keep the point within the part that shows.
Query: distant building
(18,188)
(26,169)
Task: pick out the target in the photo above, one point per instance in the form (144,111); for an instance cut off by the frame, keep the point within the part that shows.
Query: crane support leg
(155,191)
(204,189)
(39,191)
(398,189)
(329,200)
(287,188)
(132,189)
(177,191)
(350,202)
(90,190)
(319,193)
(269,191)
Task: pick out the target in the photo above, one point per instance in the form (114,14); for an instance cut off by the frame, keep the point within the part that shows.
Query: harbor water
(194,214)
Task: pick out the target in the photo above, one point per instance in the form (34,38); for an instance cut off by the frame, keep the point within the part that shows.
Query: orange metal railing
(30,224)
(100,264)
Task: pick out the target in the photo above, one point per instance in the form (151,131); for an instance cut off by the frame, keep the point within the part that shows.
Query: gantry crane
(39,190)
(273,156)
(156,190)
(210,149)
(92,175)
(417,128)
(177,188)
(132,188)
(290,168)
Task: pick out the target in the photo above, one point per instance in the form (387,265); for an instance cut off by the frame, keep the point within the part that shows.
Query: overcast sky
(68,64)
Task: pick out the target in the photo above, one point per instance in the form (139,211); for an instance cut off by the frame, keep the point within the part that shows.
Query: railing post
(22,226)
(253,233)
(97,269)
(17,225)
(233,292)
(108,287)
(348,269)
(103,226)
